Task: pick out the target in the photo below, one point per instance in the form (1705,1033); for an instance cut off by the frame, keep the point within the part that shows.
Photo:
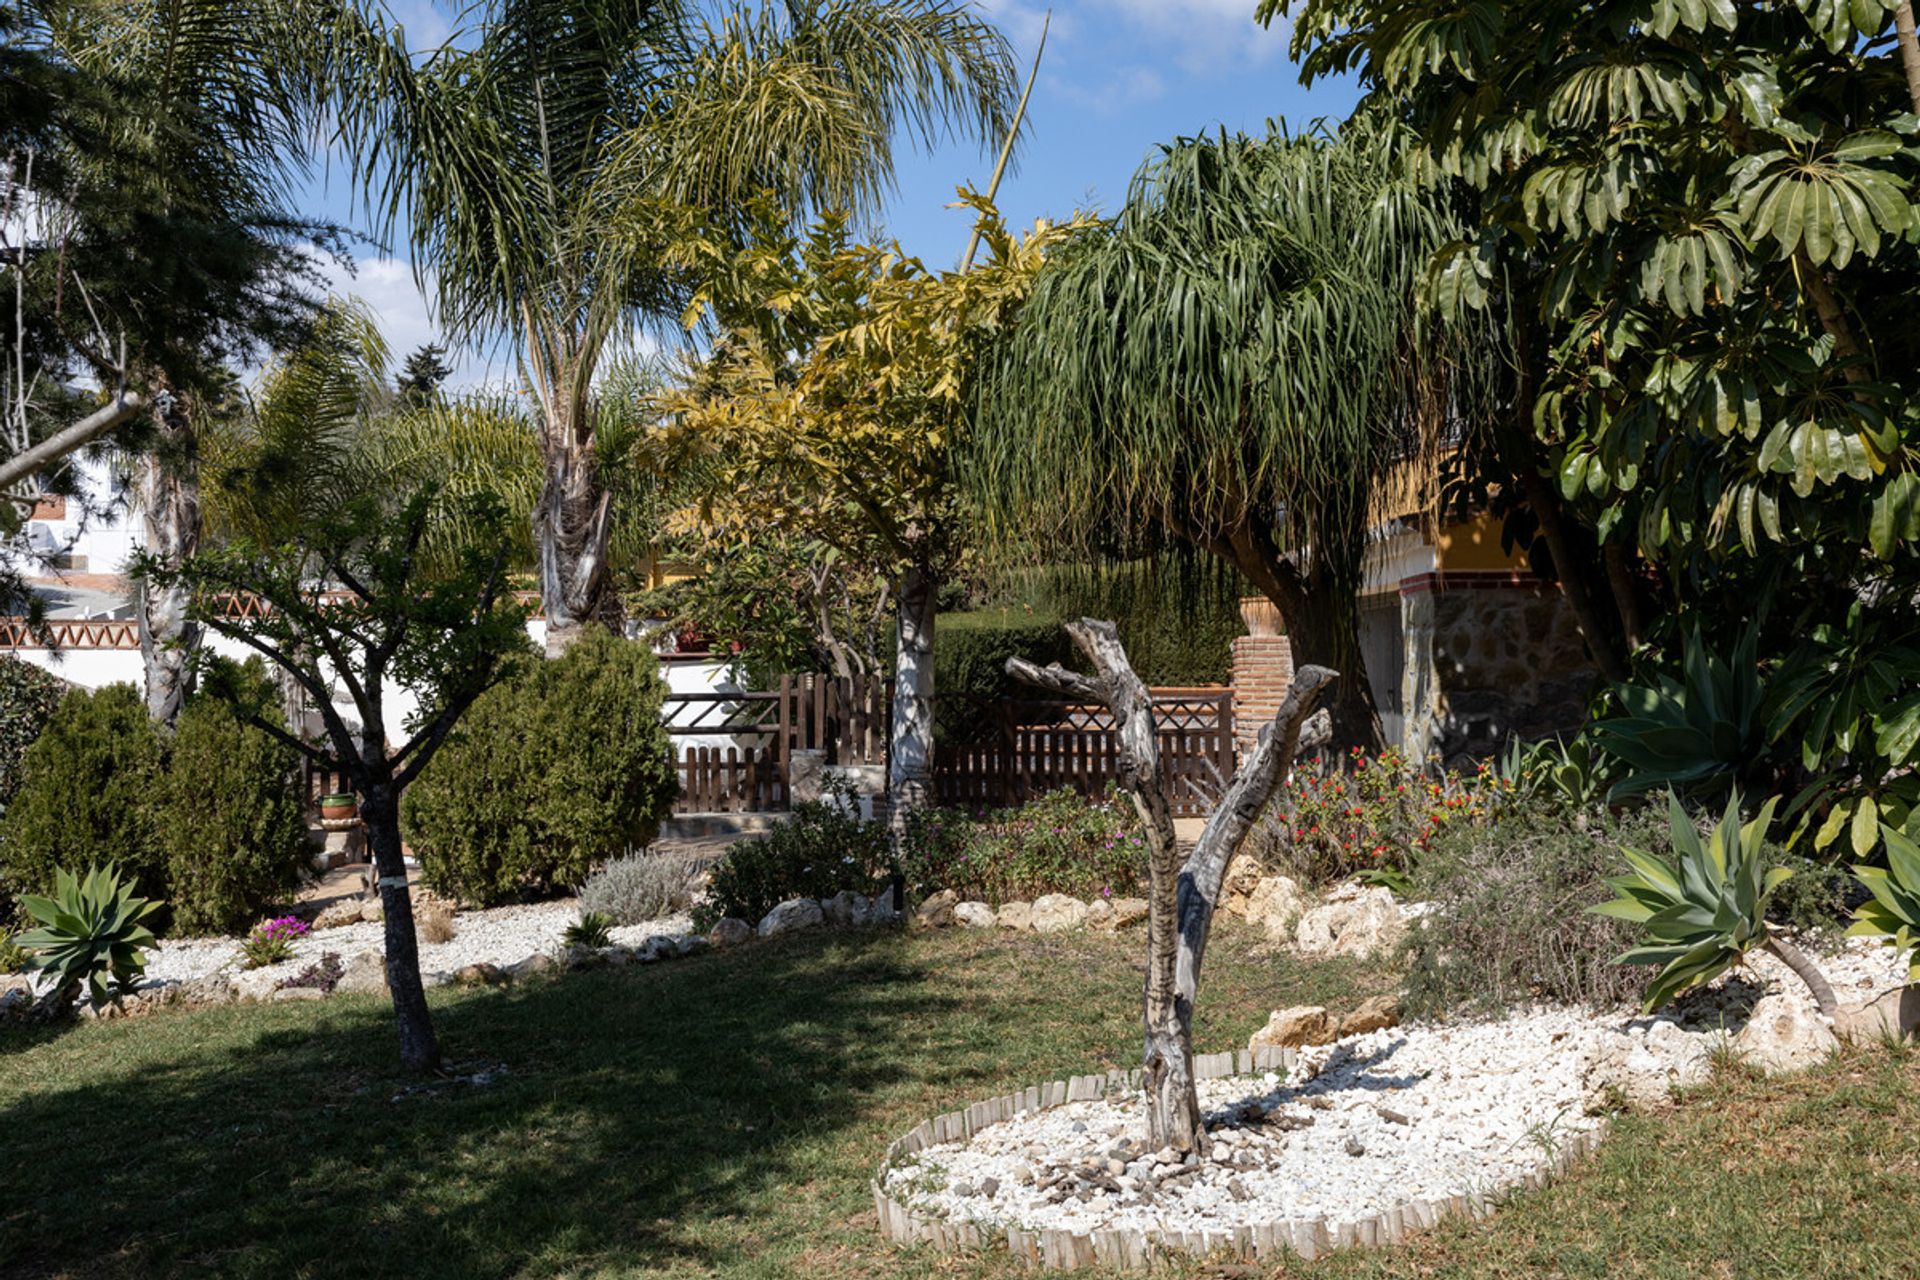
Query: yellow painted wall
(1475,544)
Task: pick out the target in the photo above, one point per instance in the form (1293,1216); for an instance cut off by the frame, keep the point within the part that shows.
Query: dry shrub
(433,920)
(1509,921)
(639,887)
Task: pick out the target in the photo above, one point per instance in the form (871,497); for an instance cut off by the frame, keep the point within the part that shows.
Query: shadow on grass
(638,1109)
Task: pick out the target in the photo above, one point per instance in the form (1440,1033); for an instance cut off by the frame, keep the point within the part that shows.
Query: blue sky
(1119,77)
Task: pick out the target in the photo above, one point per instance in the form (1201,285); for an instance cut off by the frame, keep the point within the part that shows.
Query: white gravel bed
(1426,1111)
(1354,1129)
(500,936)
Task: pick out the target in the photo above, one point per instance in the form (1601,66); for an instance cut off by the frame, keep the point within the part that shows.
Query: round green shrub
(824,849)
(88,796)
(28,698)
(560,767)
(230,820)
(1061,842)
(970,652)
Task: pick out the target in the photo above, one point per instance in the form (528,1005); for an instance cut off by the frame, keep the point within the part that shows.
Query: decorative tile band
(1129,1249)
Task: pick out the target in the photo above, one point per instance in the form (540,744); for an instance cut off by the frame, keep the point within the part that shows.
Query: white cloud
(388,289)
(1124,87)
(1204,33)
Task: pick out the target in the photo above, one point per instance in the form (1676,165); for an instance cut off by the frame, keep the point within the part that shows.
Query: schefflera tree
(354,600)
(1181,896)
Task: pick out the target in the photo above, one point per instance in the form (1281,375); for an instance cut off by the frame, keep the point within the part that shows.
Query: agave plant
(1705,906)
(1574,773)
(1893,912)
(1696,733)
(91,930)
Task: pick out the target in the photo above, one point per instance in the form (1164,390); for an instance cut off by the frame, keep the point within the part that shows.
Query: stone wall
(1486,659)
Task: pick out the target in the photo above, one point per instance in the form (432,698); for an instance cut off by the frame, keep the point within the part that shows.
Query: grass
(720,1116)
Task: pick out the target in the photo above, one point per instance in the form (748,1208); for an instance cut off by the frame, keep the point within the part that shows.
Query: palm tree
(1230,364)
(544,162)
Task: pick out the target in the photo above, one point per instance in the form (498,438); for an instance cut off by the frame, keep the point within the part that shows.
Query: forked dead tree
(1180,897)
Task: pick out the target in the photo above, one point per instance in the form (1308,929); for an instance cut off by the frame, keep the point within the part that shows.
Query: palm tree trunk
(910,752)
(571,528)
(419,1049)
(169,492)
(1806,971)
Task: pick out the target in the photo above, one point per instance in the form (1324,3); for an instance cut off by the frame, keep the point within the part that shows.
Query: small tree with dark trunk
(351,602)
(1181,897)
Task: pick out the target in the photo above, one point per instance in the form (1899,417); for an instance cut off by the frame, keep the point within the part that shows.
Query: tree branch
(124,407)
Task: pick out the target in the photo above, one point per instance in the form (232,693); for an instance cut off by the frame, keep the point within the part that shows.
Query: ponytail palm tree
(1232,362)
(545,163)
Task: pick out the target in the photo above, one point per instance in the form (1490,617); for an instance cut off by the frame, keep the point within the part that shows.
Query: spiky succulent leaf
(1893,913)
(92,930)
(1704,905)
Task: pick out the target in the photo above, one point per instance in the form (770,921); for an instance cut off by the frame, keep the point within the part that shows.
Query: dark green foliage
(594,929)
(88,794)
(28,697)
(821,851)
(422,373)
(1699,729)
(1060,843)
(560,767)
(970,655)
(1509,921)
(1178,620)
(230,822)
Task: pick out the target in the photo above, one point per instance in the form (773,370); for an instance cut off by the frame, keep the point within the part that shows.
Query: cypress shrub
(230,821)
(560,767)
(970,652)
(88,794)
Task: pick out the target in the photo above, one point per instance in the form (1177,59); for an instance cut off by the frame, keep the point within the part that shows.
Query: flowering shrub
(1376,816)
(1060,843)
(823,850)
(272,940)
(323,975)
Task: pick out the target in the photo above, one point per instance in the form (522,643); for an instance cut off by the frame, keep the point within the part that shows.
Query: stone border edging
(1130,1249)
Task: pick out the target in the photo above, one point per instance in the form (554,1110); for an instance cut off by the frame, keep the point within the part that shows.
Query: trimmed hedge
(88,794)
(230,821)
(551,773)
(28,698)
(970,652)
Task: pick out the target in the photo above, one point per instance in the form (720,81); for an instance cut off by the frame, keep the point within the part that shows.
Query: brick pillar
(1262,671)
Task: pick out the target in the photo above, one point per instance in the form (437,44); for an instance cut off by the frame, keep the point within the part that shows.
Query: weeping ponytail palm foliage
(545,162)
(1234,361)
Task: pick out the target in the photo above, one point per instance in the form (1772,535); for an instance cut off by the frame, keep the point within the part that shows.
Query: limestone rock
(1057,913)
(339,913)
(1376,1013)
(691,944)
(1236,889)
(539,962)
(1100,914)
(1293,1028)
(975,915)
(480,975)
(1274,902)
(1359,924)
(937,912)
(790,916)
(1016,915)
(730,932)
(847,909)
(372,912)
(287,994)
(1129,911)
(256,984)
(364,975)
(1784,1035)
(1644,1069)
(1892,1015)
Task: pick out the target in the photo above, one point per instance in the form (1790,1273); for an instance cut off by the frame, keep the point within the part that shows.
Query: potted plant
(338,807)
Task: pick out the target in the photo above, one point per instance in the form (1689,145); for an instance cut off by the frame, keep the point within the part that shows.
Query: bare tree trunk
(910,752)
(572,524)
(1181,900)
(169,489)
(1909,42)
(419,1049)
(1626,594)
(1572,572)
(1805,970)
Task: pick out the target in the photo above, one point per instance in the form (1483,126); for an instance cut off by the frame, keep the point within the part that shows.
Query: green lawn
(720,1116)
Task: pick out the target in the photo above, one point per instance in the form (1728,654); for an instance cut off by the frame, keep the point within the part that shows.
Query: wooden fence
(844,718)
(1040,746)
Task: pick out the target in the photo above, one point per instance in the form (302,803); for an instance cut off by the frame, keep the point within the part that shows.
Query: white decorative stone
(1360,924)
(790,916)
(974,915)
(1784,1035)
(1057,913)
(847,909)
(730,932)
(936,912)
(1016,915)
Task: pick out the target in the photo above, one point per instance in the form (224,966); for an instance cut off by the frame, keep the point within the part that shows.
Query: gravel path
(501,936)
